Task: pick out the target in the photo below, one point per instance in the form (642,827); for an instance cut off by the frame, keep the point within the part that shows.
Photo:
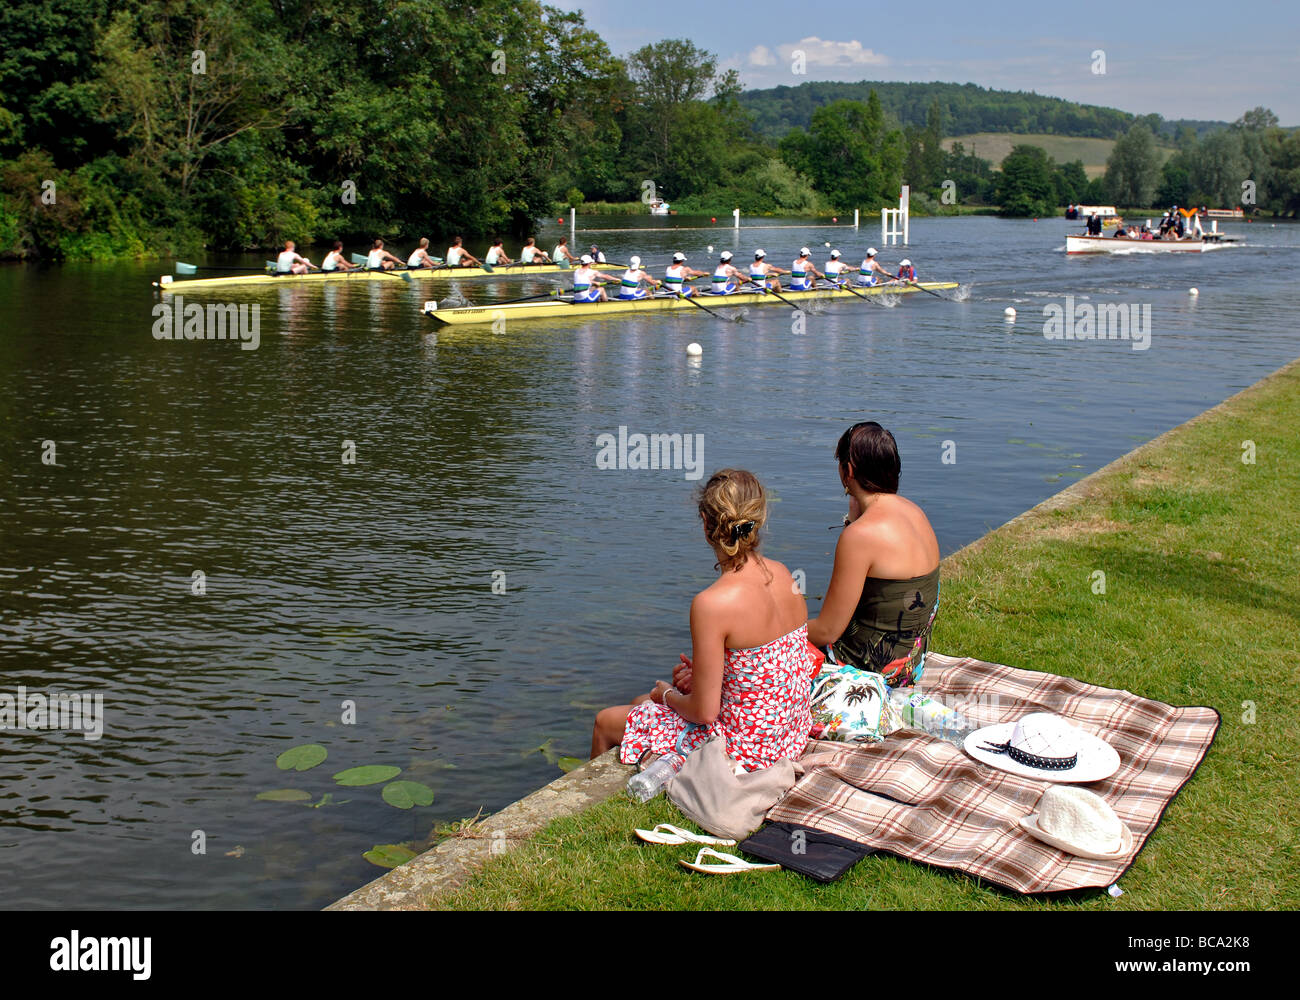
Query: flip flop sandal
(675,836)
(729,866)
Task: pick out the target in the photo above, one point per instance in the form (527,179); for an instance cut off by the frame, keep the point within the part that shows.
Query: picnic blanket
(921,798)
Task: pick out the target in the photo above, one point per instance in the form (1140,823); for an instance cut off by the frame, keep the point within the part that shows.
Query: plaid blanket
(921,798)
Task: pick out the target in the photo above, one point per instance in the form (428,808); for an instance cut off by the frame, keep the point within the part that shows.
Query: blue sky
(1180,60)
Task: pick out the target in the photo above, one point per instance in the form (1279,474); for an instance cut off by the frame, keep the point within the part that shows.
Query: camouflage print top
(890,628)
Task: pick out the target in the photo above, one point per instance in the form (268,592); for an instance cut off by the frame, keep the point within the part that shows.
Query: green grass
(994,146)
(1201,607)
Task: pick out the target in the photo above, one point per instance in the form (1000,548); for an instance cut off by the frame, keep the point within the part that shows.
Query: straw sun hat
(1079,823)
(1043,746)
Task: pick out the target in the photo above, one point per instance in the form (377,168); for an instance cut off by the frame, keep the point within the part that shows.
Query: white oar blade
(183,268)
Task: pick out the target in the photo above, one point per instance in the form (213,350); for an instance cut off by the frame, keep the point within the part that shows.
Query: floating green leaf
(405,794)
(388,855)
(371,774)
(328,800)
(301,758)
(285,795)
(567,764)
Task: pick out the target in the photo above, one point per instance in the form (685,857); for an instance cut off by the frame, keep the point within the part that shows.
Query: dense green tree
(1025,186)
(1131,167)
(852,155)
(1071,182)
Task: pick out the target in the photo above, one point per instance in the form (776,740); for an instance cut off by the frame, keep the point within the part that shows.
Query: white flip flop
(675,836)
(729,866)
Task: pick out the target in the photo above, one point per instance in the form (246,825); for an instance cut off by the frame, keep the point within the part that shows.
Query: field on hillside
(995,146)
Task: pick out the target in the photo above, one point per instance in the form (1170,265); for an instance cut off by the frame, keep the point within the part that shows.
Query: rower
(420,255)
(562,252)
(763,274)
(458,256)
(837,272)
(335,261)
(288,262)
(630,286)
(677,276)
(803,273)
(532,253)
(906,272)
(870,268)
(587,281)
(726,277)
(380,259)
(496,255)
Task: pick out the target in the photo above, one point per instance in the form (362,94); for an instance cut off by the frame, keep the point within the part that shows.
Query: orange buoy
(835,218)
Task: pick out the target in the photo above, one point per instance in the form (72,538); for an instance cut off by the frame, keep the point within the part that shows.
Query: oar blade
(183,268)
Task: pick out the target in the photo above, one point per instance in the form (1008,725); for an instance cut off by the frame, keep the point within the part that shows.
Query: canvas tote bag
(727,804)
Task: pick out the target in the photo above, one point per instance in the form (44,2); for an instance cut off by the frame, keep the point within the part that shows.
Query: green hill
(994,146)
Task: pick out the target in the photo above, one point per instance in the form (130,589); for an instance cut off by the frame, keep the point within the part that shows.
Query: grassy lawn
(1201,607)
(995,146)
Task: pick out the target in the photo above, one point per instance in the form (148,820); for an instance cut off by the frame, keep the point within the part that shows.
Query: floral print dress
(764,717)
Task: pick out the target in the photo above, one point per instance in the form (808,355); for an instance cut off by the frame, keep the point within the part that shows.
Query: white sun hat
(759,253)
(635,261)
(1043,746)
(726,255)
(586,259)
(835,253)
(872,251)
(1080,823)
(804,251)
(904,263)
(679,256)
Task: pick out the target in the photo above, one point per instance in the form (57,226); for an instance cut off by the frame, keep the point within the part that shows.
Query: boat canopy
(1104,211)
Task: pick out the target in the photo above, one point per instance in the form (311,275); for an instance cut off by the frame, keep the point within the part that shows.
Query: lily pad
(328,800)
(301,758)
(371,774)
(285,795)
(388,855)
(567,764)
(405,794)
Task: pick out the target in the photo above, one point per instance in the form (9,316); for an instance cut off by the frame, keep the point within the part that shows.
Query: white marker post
(855,219)
(735,214)
(573,226)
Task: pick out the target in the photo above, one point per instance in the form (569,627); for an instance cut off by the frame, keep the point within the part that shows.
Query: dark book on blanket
(821,856)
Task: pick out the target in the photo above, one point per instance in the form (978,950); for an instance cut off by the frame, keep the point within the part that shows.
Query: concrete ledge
(413,885)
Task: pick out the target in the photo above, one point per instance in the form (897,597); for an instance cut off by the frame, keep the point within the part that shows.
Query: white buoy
(1009,312)
(694,350)
(710,248)
(828,244)
(1193,291)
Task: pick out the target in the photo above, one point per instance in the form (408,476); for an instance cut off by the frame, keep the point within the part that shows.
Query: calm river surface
(372,583)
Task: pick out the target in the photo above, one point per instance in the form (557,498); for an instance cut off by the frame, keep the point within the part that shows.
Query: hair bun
(741,529)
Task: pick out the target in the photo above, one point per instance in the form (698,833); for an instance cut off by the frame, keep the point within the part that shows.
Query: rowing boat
(1110,244)
(565,308)
(168,284)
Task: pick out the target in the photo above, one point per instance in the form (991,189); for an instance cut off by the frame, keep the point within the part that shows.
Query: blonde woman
(747,677)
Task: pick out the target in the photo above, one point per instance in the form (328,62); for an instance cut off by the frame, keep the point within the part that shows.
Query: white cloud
(761,55)
(824,52)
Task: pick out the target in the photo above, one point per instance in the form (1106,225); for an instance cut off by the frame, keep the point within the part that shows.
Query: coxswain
(906,272)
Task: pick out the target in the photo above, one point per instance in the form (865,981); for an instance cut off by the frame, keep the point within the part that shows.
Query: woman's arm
(708,640)
(852,558)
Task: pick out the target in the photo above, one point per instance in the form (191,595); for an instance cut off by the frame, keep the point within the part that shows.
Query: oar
(763,287)
(913,281)
(182,268)
(691,300)
(553,293)
(391,272)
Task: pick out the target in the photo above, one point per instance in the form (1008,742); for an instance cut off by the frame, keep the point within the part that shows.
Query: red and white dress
(765,714)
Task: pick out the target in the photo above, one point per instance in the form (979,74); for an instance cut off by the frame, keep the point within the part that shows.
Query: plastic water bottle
(646,784)
(920,711)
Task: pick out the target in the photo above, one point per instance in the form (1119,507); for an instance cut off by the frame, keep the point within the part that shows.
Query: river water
(461,598)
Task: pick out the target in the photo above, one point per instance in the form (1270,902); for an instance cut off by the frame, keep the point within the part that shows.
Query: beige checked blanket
(921,798)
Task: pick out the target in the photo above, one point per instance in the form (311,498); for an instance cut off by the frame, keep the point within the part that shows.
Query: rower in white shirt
(458,256)
(335,261)
(870,268)
(631,283)
(803,272)
(836,270)
(727,278)
(677,276)
(532,253)
(763,274)
(380,259)
(288,262)
(496,255)
(587,281)
(420,256)
(562,252)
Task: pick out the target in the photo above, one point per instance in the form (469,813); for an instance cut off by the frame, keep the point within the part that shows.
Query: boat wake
(962,294)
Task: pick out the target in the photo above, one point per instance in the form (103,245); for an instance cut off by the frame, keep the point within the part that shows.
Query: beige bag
(727,804)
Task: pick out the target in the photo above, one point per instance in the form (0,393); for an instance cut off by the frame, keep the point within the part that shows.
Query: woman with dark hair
(884,589)
(747,677)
